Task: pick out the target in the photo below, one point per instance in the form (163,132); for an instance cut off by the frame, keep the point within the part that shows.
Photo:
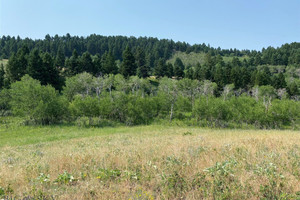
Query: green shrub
(6,191)
(85,107)
(214,110)
(108,174)
(2,192)
(65,178)
(43,178)
(94,122)
(4,102)
(175,185)
(224,180)
(187,133)
(40,104)
(140,110)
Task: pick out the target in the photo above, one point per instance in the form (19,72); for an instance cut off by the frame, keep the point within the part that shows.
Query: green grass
(193,58)
(147,162)
(14,133)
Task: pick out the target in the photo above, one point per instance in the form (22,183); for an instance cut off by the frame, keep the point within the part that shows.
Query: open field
(147,162)
(193,58)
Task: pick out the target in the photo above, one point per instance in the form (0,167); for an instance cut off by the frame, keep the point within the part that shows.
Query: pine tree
(140,57)
(72,64)
(219,76)
(142,68)
(245,63)
(17,64)
(209,60)
(142,72)
(227,73)
(189,72)
(279,81)
(35,65)
(149,61)
(257,60)
(160,69)
(97,62)
(1,75)
(108,63)
(205,73)
(197,72)
(245,78)
(293,89)
(178,68)
(86,63)
(236,62)
(50,74)
(128,66)
(262,78)
(169,72)
(236,77)
(220,61)
(60,58)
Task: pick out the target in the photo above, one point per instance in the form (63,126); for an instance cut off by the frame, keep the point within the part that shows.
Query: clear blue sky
(242,24)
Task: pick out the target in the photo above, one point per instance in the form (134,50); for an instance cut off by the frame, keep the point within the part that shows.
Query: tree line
(129,80)
(88,100)
(97,44)
(287,54)
(54,70)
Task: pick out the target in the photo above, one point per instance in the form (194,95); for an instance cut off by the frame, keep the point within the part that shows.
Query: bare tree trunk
(110,91)
(98,92)
(171,114)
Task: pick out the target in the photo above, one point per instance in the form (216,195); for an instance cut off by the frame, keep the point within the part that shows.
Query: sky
(241,24)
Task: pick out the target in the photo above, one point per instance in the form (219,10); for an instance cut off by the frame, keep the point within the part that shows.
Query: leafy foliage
(133,101)
(42,104)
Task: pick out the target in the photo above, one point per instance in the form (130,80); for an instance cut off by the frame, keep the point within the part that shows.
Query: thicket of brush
(102,101)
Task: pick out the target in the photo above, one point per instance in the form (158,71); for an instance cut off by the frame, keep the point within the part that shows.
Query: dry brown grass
(161,163)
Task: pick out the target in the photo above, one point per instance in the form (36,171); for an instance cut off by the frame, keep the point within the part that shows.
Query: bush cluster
(90,100)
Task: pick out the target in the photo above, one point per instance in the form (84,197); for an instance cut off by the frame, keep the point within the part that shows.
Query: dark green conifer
(128,66)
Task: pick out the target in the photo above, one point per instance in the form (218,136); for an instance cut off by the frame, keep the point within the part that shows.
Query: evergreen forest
(106,80)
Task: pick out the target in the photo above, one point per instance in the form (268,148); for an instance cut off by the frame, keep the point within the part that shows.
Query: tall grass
(148,162)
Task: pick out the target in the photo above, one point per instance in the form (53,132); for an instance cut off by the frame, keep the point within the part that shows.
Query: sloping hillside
(193,58)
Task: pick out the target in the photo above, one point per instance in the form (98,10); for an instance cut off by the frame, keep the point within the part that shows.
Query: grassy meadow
(147,162)
(193,58)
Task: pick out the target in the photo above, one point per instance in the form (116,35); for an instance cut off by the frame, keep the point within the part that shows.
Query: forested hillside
(53,59)
(140,80)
